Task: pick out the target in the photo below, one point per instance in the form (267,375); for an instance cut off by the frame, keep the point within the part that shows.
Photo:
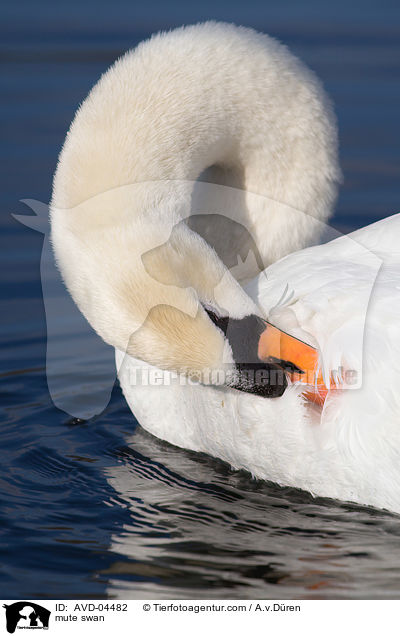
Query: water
(100,508)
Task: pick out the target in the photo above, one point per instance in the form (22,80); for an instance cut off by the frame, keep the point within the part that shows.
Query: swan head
(160,293)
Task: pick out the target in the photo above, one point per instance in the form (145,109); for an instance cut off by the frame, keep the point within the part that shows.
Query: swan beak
(297,358)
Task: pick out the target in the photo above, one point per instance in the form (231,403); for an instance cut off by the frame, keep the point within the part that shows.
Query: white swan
(236,104)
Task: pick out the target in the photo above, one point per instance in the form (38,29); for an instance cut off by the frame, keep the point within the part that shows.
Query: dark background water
(100,508)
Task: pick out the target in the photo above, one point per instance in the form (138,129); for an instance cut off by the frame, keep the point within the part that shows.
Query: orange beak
(278,345)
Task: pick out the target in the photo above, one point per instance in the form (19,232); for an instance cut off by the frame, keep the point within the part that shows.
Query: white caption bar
(81,617)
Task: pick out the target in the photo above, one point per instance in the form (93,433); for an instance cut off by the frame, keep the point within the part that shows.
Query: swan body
(348,450)
(197,162)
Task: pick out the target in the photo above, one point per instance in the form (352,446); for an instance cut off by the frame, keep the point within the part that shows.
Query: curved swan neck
(208,95)
(212,96)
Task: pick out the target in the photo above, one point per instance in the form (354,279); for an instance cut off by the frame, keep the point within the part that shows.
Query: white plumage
(236,107)
(349,450)
(207,96)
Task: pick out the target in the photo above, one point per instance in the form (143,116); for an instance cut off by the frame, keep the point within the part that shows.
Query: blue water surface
(99,508)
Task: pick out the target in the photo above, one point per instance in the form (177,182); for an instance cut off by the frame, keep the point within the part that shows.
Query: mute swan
(230,106)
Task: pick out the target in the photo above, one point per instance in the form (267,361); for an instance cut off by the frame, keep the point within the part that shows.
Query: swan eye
(219,321)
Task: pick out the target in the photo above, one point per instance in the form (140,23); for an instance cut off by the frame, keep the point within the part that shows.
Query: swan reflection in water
(199,530)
